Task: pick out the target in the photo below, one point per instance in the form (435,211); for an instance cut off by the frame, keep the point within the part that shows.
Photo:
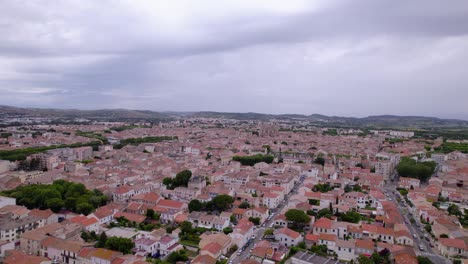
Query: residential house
(287,237)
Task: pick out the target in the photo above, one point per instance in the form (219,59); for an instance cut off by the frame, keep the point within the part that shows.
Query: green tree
(168,182)
(325,212)
(84,208)
(268,231)
(420,170)
(101,240)
(453,209)
(182,178)
(221,202)
(124,245)
(195,205)
(424,260)
(351,217)
(55,204)
(297,217)
(364,260)
(320,250)
(244,205)
(227,230)
(177,256)
(254,220)
(150,213)
(320,160)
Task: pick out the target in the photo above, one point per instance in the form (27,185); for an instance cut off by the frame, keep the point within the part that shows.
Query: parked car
(421,248)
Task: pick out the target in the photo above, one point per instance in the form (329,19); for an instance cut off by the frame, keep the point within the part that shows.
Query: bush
(252,160)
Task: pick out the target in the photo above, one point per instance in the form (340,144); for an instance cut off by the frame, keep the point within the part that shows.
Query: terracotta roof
(213,248)
(323,223)
(131,217)
(288,232)
(328,237)
(203,259)
(106,254)
(17,257)
(312,237)
(170,204)
(41,213)
(453,242)
(367,244)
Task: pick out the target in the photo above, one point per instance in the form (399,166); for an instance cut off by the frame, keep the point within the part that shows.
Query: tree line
(57,196)
(254,159)
(136,141)
(411,168)
(22,154)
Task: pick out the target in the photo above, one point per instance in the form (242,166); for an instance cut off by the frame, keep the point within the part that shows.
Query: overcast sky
(347,58)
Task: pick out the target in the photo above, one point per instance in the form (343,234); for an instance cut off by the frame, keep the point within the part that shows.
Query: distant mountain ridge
(125,114)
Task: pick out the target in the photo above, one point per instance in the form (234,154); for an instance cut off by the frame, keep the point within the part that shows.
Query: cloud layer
(347,57)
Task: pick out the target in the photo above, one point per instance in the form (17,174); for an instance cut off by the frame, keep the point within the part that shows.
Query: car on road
(239,253)
(415,236)
(421,248)
(253,237)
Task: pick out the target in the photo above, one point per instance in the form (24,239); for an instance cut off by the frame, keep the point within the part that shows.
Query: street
(261,229)
(417,228)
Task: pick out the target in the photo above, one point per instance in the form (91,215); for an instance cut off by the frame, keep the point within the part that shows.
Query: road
(259,231)
(415,228)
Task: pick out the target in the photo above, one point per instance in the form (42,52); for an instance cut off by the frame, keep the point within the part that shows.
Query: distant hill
(382,121)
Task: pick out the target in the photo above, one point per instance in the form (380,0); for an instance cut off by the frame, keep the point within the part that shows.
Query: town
(211,190)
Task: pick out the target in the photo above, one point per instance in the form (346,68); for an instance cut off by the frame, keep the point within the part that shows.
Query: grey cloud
(345,58)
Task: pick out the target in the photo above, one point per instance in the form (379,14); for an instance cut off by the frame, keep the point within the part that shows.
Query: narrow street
(416,228)
(259,232)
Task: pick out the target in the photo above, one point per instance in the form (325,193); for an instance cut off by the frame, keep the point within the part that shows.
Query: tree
(227,230)
(351,217)
(424,260)
(182,178)
(177,256)
(325,212)
(323,188)
(428,228)
(320,250)
(348,188)
(320,160)
(244,205)
(302,245)
(364,260)
(124,245)
(195,205)
(222,202)
(298,217)
(84,208)
(252,160)
(420,170)
(168,182)
(150,213)
(268,231)
(255,220)
(453,209)
(102,240)
(55,204)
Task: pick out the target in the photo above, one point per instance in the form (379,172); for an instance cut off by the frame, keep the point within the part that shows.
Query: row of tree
(58,195)
(420,170)
(136,141)
(181,180)
(220,203)
(22,154)
(252,160)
